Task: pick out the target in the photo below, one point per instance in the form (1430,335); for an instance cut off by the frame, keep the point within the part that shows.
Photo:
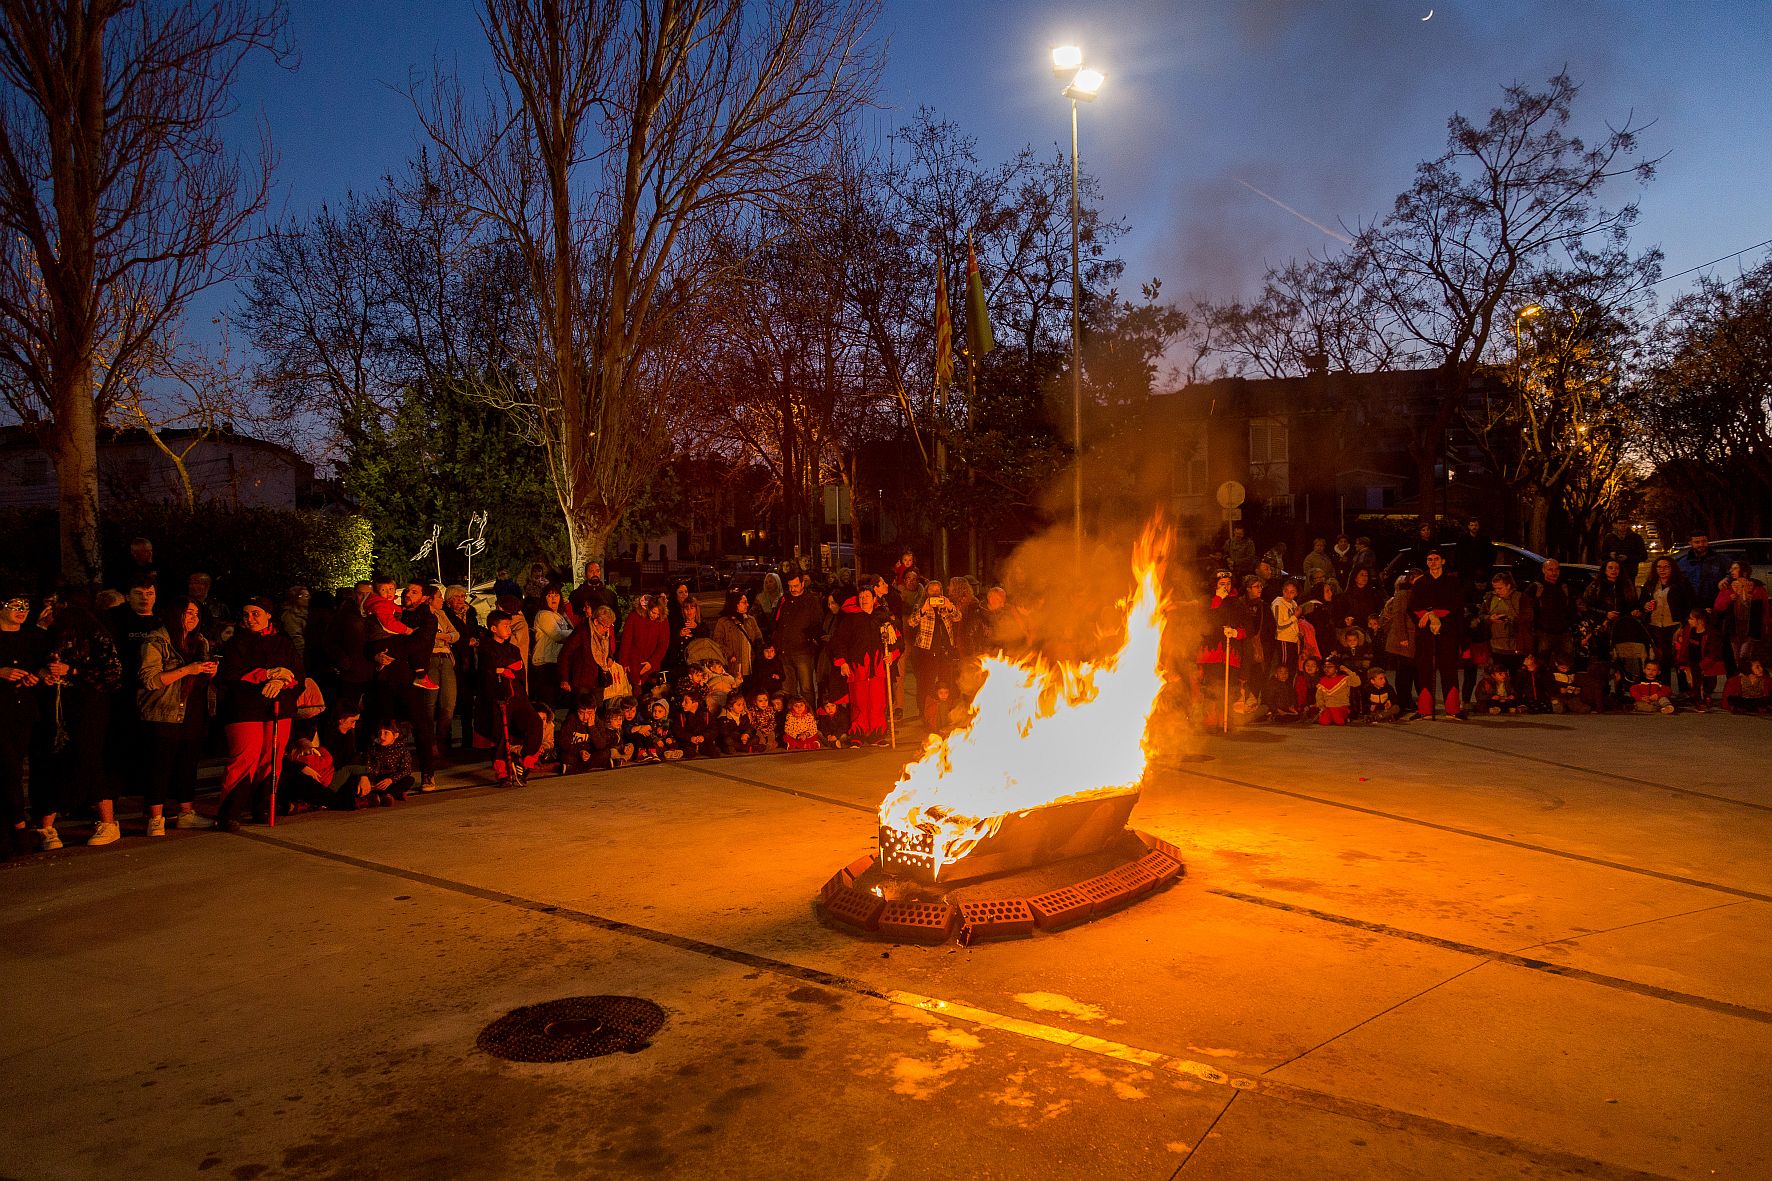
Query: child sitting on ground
(941,712)
(665,743)
(799,728)
(1534,686)
(640,731)
(610,747)
(1651,694)
(694,727)
(1335,693)
(1495,693)
(1749,692)
(572,741)
(833,710)
(1566,689)
(1279,697)
(1379,699)
(310,778)
(763,721)
(734,733)
(389,764)
(1304,687)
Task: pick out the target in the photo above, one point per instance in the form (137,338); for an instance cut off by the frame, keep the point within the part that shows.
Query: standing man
(1436,600)
(1705,571)
(590,595)
(1554,615)
(1474,555)
(799,629)
(1624,545)
(131,623)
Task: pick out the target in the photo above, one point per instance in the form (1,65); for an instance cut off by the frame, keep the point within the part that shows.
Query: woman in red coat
(862,651)
(645,639)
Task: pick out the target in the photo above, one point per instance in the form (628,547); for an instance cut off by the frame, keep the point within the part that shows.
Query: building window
(1190,460)
(1270,474)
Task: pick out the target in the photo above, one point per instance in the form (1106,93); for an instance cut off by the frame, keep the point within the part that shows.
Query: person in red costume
(862,650)
(1228,620)
(1436,600)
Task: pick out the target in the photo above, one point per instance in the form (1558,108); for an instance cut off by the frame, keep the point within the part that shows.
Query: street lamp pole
(1081,86)
(1076,353)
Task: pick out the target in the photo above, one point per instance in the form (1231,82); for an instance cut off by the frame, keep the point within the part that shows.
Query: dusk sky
(1326,106)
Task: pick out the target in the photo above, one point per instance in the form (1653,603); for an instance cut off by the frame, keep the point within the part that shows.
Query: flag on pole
(978,318)
(944,330)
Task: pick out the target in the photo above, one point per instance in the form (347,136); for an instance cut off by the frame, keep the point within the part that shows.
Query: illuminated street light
(1083,85)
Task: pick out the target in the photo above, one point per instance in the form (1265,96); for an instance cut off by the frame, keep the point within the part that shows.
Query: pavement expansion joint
(1455,830)
(1473,1138)
(1516,960)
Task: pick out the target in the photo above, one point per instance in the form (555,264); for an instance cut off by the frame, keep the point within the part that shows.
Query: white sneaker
(156,826)
(190,820)
(105,833)
(51,839)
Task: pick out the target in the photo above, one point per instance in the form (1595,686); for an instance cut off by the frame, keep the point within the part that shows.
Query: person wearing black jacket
(260,678)
(799,629)
(347,643)
(506,718)
(466,621)
(1554,615)
(24,650)
(1436,600)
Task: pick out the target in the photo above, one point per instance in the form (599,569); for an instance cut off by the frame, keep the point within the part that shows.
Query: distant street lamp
(1525,313)
(1081,85)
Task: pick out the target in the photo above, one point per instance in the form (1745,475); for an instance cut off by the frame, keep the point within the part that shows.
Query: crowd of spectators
(1443,629)
(353,698)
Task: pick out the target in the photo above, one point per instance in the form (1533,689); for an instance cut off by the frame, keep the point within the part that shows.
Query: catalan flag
(978,317)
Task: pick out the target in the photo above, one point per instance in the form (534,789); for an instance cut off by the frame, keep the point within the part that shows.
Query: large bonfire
(1042,732)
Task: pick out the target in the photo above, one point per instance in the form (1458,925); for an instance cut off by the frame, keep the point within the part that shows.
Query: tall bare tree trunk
(73,446)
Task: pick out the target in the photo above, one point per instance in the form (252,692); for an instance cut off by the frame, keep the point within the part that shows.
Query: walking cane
(276,760)
(891,714)
(1227,685)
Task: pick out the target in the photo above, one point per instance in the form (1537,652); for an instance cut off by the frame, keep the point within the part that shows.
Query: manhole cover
(573,1027)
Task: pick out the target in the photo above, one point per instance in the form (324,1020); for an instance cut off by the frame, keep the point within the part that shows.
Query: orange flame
(1042,733)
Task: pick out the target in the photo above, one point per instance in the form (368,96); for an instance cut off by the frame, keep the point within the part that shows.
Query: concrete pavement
(1532,947)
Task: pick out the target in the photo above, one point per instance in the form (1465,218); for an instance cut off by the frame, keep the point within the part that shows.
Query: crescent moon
(1429,16)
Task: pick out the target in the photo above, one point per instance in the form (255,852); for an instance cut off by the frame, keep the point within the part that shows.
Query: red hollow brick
(1159,845)
(917,922)
(1059,908)
(1107,891)
(1160,866)
(1000,919)
(858,908)
(859,866)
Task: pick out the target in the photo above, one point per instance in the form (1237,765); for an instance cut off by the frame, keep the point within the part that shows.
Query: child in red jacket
(1335,694)
(1651,694)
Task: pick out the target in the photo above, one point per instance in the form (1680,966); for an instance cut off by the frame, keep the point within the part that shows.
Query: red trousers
(253,752)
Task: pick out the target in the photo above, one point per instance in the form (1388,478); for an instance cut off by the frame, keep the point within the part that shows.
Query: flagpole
(941,417)
(1076,359)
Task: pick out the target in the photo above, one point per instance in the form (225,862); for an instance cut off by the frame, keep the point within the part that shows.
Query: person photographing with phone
(172,696)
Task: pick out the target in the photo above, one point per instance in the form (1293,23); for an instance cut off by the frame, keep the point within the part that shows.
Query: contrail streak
(1339,237)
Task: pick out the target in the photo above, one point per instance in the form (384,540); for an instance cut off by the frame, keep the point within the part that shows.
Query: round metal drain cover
(573,1027)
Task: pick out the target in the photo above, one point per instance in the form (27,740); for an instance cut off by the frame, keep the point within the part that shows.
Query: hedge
(247,550)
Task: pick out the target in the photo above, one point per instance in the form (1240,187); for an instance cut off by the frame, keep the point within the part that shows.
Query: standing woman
(861,650)
(768,599)
(260,678)
(1741,611)
(737,633)
(551,630)
(294,620)
(645,639)
(74,701)
(172,696)
(1666,599)
(1361,601)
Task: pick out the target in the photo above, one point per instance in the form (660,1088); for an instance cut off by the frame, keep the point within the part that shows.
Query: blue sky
(1325,105)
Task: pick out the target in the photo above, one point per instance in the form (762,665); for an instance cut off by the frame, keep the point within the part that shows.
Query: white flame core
(1040,734)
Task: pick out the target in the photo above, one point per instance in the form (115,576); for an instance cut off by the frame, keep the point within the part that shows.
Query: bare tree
(119,201)
(615,149)
(1445,266)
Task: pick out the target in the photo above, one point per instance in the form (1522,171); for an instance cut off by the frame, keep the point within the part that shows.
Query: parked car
(1525,565)
(704,578)
(1756,551)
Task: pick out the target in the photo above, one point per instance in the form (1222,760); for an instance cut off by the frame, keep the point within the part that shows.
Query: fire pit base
(861,899)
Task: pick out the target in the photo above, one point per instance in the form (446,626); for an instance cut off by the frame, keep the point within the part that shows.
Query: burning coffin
(939,850)
(1049,763)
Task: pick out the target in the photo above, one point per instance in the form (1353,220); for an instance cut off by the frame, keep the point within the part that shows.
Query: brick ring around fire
(861,899)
